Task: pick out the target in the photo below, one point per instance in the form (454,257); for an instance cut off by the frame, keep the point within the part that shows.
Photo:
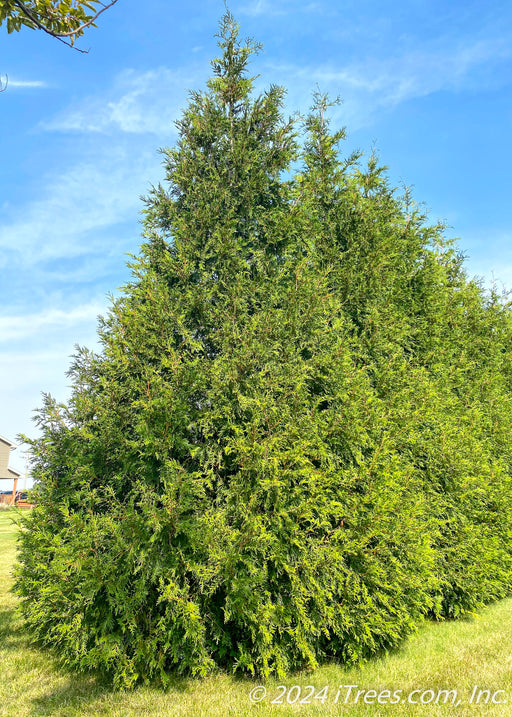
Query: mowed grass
(444,656)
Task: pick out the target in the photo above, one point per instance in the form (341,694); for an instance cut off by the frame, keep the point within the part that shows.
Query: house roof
(12,473)
(9,443)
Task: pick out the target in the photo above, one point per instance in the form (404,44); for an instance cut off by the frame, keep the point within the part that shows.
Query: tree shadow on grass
(74,697)
(11,631)
(83,695)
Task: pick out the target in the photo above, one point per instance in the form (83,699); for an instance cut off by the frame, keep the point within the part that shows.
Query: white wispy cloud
(16,327)
(13,83)
(136,103)
(73,209)
(378,83)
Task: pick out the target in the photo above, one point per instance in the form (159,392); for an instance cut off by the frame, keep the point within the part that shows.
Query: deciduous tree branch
(62,35)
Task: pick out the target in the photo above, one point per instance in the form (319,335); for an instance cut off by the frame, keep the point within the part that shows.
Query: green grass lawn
(445,656)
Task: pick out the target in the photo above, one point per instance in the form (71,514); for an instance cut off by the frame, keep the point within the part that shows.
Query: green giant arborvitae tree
(295,440)
(437,351)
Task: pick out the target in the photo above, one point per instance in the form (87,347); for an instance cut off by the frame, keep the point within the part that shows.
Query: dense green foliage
(296,440)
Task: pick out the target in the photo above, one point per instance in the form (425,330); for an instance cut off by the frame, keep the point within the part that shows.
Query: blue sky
(427,82)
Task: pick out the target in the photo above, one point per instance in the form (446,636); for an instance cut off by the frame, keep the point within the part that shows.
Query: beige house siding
(6,473)
(5,451)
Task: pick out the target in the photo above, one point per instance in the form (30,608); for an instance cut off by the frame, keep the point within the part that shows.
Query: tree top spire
(230,81)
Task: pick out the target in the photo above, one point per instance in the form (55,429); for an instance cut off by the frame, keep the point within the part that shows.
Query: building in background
(6,473)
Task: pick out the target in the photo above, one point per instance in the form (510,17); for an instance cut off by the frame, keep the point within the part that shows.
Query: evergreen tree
(295,440)
(436,350)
